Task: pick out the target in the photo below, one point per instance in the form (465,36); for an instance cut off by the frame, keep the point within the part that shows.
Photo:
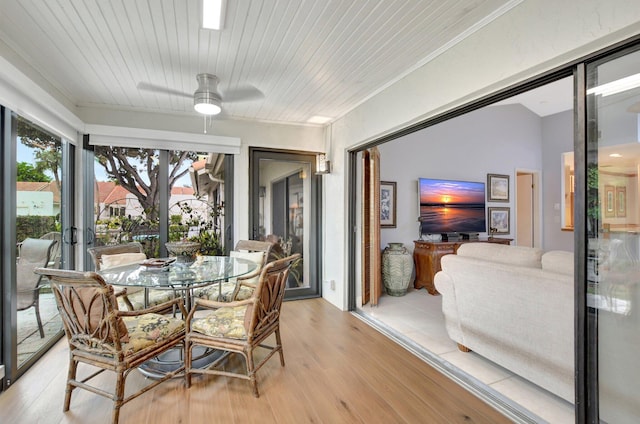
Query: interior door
(371,255)
(524,209)
(285,202)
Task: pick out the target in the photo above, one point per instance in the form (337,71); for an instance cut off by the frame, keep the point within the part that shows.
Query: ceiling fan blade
(243,93)
(164,90)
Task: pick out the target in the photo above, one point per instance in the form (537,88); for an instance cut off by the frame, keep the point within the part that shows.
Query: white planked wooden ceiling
(307,57)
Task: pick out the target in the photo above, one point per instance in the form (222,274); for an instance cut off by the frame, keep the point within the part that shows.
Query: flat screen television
(448,206)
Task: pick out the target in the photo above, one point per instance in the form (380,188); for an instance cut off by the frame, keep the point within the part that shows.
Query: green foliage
(28,172)
(47,147)
(35,226)
(593,200)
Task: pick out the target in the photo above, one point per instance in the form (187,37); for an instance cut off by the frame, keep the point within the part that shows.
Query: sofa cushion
(512,255)
(558,261)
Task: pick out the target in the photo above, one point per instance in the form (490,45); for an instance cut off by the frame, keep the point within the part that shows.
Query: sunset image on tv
(451,206)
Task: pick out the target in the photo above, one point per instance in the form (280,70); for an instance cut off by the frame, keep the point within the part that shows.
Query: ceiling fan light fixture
(207,107)
(206,99)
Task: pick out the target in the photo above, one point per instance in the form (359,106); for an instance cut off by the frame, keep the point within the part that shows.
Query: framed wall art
(621,202)
(499,219)
(387,204)
(497,188)
(609,201)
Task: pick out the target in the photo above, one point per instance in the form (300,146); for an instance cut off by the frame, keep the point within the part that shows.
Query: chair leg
(71,375)
(119,396)
(251,370)
(187,363)
(37,306)
(279,344)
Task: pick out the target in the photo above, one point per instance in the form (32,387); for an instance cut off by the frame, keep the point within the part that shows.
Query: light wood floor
(338,370)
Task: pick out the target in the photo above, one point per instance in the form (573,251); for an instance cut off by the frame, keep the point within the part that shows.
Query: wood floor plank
(338,369)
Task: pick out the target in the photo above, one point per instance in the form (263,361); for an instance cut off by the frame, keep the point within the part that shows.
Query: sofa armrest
(446,288)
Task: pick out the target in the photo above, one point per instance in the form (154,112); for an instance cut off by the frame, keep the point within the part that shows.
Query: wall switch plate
(332,284)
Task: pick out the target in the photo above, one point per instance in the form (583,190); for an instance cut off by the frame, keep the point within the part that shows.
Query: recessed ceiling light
(615,155)
(318,119)
(212,14)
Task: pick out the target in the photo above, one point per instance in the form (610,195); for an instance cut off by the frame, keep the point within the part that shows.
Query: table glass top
(206,270)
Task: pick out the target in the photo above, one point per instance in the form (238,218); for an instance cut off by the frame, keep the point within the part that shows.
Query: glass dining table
(179,277)
(183,279)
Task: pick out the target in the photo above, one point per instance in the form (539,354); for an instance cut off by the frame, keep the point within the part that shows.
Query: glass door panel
(38,220)
(126,197)
(285,197)
(196,203)
(613,230)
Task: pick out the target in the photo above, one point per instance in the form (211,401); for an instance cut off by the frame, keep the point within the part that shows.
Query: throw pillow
(257,257)
(118,259)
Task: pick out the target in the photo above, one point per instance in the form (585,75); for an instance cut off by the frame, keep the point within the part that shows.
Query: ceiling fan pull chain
(205,124)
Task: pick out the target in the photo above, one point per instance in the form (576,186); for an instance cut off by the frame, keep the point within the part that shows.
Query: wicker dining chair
(102,336)
(240,327)
(253,250)
(105,257)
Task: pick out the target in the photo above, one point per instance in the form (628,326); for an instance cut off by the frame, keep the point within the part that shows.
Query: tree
(47,148)
(27,172)
(128,167)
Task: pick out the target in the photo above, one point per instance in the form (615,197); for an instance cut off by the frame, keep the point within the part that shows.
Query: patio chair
(101,336)
(56,250)
(241,326)
(33,253)
(133,298)
(253,250)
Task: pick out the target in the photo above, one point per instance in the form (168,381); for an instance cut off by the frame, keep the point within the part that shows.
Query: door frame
(315,237)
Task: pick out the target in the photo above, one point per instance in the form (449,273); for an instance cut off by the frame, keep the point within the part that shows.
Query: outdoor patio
(29,340)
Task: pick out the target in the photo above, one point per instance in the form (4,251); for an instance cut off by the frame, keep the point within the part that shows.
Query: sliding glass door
(37,232)
(613,236)
(153,196)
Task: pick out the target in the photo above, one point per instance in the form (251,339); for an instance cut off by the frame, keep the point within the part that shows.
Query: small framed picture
(499,220)
(609,201)
(387,204)
(497,188)
(621,202)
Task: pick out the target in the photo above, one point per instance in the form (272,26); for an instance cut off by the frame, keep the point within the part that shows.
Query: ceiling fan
(207,99)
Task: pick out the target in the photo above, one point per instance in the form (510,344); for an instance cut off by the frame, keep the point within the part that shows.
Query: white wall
(557,138)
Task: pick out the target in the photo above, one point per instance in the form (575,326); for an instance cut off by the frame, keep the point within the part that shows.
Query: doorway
(37,215)
(285,203)
(528,209)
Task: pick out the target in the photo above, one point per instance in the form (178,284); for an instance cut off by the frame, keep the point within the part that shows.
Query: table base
(173,359)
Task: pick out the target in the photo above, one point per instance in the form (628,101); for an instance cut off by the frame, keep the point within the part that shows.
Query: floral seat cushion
(211,292)
(136,298)
(149,329)
(223,322)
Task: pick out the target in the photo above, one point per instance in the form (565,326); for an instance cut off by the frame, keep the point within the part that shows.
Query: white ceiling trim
(23,96)
(105,135)
(461,37)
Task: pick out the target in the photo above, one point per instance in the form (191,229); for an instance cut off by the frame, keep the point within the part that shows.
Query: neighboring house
(37,198)
(113,200)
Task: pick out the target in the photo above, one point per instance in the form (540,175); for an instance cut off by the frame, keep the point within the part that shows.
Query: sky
(454,192)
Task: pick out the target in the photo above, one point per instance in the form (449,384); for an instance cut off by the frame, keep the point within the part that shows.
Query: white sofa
(514,306)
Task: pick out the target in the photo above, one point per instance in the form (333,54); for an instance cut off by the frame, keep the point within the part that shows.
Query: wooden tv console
(427,255)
